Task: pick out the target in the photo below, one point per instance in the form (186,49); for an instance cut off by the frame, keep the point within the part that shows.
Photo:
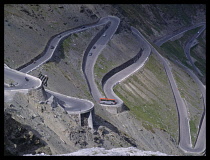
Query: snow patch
(96,151)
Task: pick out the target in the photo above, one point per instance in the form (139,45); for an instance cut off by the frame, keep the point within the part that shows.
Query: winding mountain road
(96,49)
(188,46)
(55,42)
(184,129)
(20,80)
(167,37)
(128,71)
(72,105)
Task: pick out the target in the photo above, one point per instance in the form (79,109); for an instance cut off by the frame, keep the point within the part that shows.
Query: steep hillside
(157,20)
(151,121)
(198,52)
(65,66)
(148,95)
(144,92)
(174,50)
(28,27)
(191,94)
(43,129)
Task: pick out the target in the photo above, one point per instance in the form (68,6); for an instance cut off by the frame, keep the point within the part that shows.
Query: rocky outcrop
(52,127)
(20,139)
(38,94)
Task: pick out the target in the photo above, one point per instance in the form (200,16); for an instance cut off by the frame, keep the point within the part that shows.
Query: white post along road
(75,105)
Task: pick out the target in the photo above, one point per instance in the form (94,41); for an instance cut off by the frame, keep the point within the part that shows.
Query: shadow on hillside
(102,122)
(17,140)
(58,54)
(125,108)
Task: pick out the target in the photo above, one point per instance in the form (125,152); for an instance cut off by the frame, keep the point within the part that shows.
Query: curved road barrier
(121,67)
(24,81)
(72,104)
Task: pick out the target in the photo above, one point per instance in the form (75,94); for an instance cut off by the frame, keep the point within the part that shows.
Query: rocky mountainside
(42,128)
(27,29)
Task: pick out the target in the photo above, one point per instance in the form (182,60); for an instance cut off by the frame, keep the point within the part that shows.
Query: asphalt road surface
(188,46)
(72,104)
(99,46)
(185,141)
(20,81)
(200,142)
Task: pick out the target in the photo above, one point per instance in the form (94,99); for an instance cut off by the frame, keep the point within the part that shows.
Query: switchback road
(184,128)
(73,105)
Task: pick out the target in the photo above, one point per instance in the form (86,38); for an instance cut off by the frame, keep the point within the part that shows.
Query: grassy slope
(148,95)
(191,94)
(28,27)
(174,49)
(187,87)
(147,111)
(199,53)
(157,19)
(65,75)
(116,52)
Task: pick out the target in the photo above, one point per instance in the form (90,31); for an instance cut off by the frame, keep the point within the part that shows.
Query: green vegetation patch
(157,69)
(190,92)
(49,66)
(174,49)
(201,67)
(193,130)
(187,86)
(136,14)
(188,35)
(66,44)
(200,64)
(151,100)
(198,52)
(148,127)
(102,67)
(179,11)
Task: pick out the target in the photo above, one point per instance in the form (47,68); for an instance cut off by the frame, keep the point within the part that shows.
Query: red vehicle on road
(107,101)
